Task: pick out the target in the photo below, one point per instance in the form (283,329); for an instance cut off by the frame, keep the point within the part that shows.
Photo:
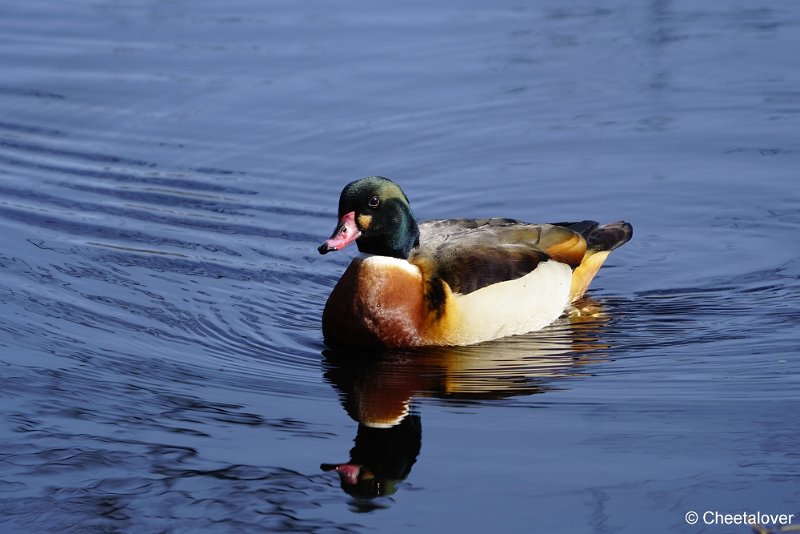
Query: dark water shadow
(377,389)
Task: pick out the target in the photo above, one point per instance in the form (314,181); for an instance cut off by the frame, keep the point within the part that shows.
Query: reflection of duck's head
(377,388)
(380,459)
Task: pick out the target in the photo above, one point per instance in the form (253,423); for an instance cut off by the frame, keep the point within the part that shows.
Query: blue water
(168,168)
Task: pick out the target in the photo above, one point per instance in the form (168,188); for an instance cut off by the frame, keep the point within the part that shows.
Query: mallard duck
(456,281)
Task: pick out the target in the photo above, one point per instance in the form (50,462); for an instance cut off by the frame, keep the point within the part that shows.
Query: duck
(452,282)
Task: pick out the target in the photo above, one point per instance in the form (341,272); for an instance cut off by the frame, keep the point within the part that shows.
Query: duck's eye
(374,202)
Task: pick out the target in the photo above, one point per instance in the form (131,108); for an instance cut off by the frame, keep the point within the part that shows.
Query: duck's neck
(402,245)
(398,244)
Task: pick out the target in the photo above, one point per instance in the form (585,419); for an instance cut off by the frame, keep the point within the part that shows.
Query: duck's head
(375,213)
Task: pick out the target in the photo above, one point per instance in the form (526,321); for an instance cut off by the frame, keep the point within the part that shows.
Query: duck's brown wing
(470,254)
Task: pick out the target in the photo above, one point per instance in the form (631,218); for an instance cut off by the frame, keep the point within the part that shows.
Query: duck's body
(453,282)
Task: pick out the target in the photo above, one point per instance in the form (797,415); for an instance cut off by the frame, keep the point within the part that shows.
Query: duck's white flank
(515,306)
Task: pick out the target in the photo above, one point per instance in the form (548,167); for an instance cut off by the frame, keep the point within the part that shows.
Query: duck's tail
(600,241)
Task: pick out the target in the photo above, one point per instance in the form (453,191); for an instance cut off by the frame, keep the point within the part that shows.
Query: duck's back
(470,254)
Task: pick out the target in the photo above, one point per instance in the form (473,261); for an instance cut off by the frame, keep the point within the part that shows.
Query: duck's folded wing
(567,241)
(470,254)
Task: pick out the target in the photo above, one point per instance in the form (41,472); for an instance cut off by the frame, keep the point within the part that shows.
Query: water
(168,168)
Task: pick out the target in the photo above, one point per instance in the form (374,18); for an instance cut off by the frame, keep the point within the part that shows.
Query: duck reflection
(377,389)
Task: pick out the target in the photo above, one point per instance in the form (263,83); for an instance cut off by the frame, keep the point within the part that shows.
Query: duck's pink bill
(346,232)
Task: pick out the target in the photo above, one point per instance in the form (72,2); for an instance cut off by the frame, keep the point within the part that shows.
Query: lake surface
(168,168)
